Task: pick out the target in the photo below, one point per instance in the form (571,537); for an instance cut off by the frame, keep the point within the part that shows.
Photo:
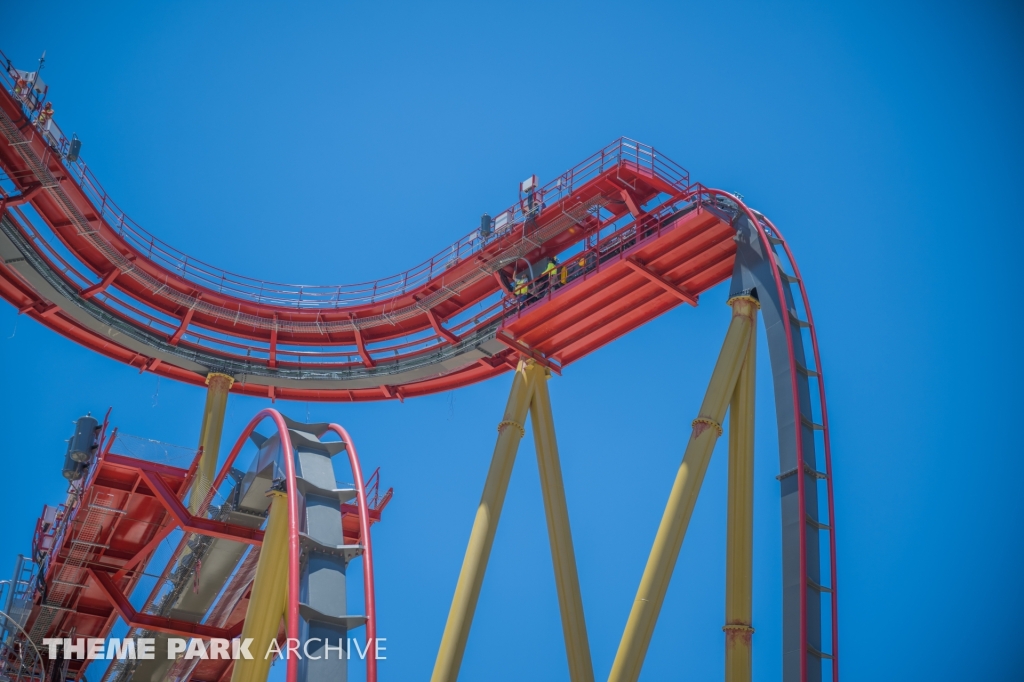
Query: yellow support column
(570,602)
(269,596)
(209,436)
(739,560)
(467,590)
(707,428)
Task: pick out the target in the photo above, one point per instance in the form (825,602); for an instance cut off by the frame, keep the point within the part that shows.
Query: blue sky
(339,142)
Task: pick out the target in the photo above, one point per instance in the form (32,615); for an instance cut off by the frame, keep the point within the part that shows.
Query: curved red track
(76,263)
(633,235)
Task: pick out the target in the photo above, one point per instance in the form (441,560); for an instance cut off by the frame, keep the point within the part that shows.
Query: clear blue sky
(339,142)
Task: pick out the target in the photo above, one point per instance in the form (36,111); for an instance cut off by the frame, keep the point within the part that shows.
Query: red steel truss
(94,549)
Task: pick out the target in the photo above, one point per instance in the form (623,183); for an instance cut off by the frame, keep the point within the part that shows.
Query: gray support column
(325,556)
(753,273)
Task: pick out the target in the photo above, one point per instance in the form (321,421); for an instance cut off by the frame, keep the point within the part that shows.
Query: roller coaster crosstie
(572,265)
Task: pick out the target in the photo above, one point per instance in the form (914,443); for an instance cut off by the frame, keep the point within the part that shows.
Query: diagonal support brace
(529,395)
(481,538)
(170,626)
(435,322)
(102,285)
(563,556)
(197,524)
(368,360)
(654,277)
(644,614)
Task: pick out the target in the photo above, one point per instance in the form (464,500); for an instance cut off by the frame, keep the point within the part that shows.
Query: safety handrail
(209,340)
(623,151)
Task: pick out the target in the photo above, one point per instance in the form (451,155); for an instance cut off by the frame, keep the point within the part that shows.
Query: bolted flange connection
(522,429)
(701,423)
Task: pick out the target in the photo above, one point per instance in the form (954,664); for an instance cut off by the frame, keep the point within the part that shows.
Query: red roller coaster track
(75,262)
(634,238)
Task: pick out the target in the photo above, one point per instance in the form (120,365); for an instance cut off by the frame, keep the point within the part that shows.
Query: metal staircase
(82,543)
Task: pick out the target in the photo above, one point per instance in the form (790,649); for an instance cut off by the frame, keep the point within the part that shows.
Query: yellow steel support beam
(570,602)
(707,428)
(739,559)
(269,596)
(209,436)
(467,590)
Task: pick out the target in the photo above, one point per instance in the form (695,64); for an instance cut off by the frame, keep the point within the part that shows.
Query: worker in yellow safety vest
(522,287)
(45,115)
(550,275)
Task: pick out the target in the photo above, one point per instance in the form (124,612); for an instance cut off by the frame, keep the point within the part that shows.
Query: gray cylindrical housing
(74,149)
(485,225)
(73,469)
(83,443)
